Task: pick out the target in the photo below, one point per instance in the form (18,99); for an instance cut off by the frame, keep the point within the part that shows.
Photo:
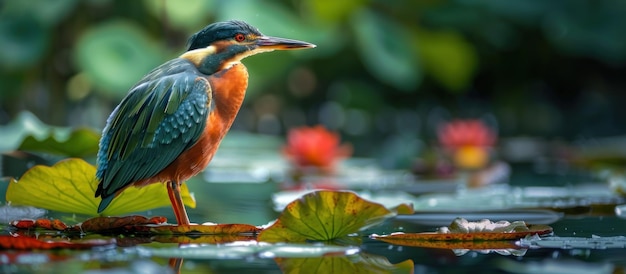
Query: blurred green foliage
(383,70)
(114,55)
(81,142)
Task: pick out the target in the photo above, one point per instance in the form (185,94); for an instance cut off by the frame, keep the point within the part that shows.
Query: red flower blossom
(315,147)
(461,133)
(468,142)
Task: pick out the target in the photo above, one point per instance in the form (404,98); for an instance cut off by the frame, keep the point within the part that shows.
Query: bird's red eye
(240,37)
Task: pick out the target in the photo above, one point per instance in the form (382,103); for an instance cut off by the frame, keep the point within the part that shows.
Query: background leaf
(448,58)
(69,186)
(25,124)
(324,215)
(116,54)
(385,48)
(191,16)
(81,142)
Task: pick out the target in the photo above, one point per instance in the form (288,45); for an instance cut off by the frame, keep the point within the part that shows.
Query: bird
(170,124)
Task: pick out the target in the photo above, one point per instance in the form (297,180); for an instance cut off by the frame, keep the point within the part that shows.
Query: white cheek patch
(197,55)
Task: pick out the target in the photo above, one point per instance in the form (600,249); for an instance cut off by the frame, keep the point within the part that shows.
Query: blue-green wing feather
(160,118)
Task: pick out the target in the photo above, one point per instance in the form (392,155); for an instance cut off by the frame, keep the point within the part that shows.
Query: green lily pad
(69,186)
(323,216)
(81,142)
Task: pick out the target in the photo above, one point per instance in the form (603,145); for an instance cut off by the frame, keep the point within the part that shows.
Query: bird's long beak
(276,43)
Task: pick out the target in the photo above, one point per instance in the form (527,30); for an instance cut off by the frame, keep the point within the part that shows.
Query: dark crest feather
(219,31)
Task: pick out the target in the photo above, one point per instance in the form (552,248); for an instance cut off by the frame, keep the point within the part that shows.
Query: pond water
(565,259)
(598,244)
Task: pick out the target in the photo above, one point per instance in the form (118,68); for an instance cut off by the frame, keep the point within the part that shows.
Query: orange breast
(228,87)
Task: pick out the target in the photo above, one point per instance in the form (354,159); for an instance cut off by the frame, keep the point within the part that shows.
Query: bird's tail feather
(105,202)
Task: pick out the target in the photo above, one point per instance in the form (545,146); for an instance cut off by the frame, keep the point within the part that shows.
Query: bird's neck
(228,90)
(216,58)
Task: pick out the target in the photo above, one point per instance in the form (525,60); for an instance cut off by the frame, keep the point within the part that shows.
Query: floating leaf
(465,245)
(29,243)
(69,186)
(47,224)
(146,230)
(409,239)
(80,143)
(404,209)
(324,215)
(364,263)
(105,224)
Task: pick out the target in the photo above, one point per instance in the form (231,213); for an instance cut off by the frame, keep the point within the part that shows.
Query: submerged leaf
(80,143)
(364,263)
(217,229)
(324,215)
(202,238)
(69,186)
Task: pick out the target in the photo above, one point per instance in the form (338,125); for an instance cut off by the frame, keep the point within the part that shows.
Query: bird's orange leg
(176,264)
(173,190)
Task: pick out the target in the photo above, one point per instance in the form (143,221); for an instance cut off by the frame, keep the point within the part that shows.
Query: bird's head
(221,44)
